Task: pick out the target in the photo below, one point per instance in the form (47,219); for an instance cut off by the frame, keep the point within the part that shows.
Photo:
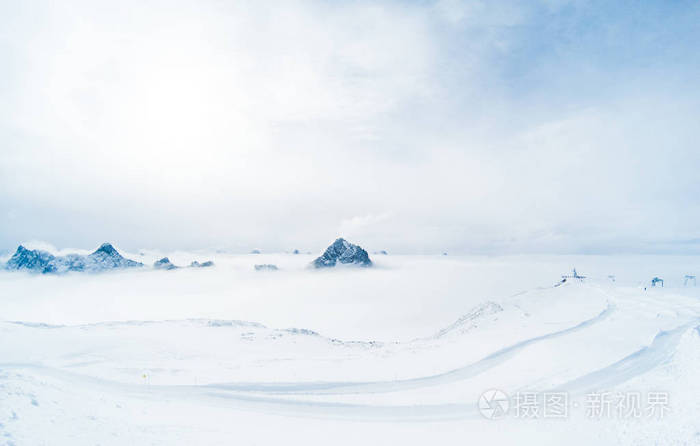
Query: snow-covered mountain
(106,257)
(164,263)
(25,259)
(344,252)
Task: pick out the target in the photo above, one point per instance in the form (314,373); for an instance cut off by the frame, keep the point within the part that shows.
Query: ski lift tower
(689,278)
(656,280)
(573,275)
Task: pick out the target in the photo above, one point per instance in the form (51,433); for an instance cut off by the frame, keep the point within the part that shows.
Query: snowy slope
(83,367)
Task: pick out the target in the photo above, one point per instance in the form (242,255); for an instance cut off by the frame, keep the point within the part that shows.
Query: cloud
(421,127)
(362,225)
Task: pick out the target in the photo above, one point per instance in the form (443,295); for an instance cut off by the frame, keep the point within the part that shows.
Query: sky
(416,127)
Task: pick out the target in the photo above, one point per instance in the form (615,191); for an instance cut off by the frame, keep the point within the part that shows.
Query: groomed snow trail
(576,338)
(251,395)
(462,373)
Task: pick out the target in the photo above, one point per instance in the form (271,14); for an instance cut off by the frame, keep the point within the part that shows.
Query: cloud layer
(413,126)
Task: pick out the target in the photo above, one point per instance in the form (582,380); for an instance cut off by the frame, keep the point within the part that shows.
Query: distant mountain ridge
(106,257)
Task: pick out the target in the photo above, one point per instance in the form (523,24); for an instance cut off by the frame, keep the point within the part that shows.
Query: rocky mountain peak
(344,252)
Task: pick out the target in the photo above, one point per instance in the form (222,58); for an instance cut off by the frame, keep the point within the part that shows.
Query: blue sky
(474,127)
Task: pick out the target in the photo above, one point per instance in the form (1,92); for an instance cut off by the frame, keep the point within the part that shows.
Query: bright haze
(416,127)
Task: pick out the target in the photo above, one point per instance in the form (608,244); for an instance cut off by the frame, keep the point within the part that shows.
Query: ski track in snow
(260,397)
(462,373)
(639,362)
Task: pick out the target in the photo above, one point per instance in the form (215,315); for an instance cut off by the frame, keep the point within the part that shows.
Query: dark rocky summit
(104,258)
(196,264)
(32,260)
(164,263)
(344,252)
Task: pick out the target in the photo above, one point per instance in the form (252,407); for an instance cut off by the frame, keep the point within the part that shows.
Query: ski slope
(214,357)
